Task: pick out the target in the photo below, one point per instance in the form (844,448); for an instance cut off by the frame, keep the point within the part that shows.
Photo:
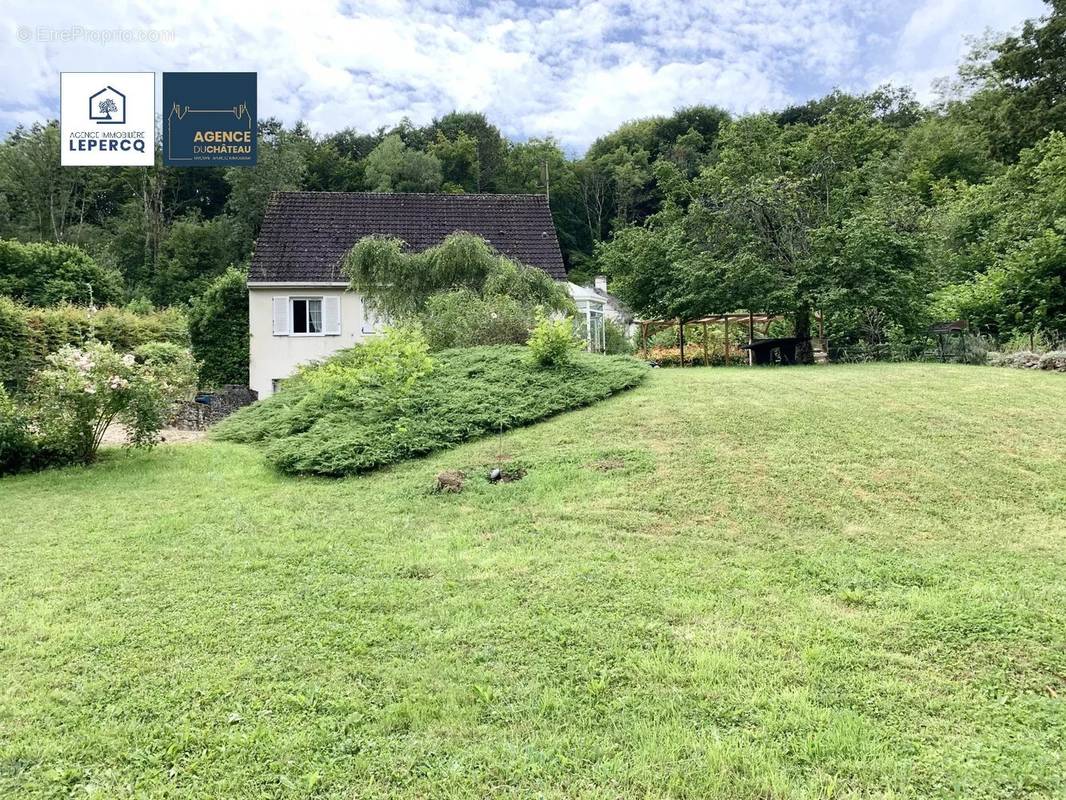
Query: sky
(569,70)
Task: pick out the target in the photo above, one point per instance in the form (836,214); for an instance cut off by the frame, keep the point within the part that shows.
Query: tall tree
(394,167)
(1020,84)
(459,162)
(281,166)
(490,146)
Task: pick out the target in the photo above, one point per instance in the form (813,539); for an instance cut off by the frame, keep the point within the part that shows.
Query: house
(299,307)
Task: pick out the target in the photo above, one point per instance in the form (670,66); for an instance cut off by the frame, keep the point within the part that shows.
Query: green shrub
(307,427)
(380,373)
(15,355)
(140,305)
(462,318)
(17,447)
(29,334)
(969,349)
(1036,342)
(218,330)
(462,292)
(615,340)
(552,342)
(44,273)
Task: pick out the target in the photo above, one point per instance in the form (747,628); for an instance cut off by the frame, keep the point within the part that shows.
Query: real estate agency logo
(107,119)
(209,119)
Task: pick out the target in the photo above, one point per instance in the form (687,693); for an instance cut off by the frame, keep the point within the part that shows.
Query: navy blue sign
(209,119)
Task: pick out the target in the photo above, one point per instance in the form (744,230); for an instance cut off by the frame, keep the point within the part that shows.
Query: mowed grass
(727,583)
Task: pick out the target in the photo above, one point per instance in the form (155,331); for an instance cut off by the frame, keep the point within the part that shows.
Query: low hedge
(28,334)
(306,428)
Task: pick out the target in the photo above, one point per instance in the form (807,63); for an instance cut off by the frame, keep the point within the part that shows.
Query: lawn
(727,583)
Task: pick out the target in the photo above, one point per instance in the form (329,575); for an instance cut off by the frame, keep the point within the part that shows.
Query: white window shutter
(331,316)
(281,316)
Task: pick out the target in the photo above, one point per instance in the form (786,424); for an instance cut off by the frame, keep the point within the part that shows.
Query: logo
(209,119)
(107,119)
(105,103)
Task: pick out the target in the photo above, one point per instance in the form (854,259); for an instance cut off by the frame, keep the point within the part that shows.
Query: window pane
(299,316)
(314,316)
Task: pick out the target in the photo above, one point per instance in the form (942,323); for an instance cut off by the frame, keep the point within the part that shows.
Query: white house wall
(272,357)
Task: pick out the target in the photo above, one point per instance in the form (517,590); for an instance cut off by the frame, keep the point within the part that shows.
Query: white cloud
(574,71)
(934,38)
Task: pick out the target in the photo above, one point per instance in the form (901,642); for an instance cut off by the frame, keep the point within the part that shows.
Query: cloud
(569,70)
(936,36)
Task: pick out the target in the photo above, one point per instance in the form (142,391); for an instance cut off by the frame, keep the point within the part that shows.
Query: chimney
(601,283)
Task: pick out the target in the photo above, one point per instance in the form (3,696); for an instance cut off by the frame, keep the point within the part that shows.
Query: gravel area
(116,435)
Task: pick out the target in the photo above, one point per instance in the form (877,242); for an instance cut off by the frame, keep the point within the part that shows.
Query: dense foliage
(43,273)
(344,417)
(218,330)
(462,293)
(29,334)
(872,208)
(1004,245)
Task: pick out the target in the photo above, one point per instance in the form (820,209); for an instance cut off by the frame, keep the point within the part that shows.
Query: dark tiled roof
(305,235)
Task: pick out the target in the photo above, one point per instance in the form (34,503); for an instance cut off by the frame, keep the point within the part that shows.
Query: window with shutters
(307,316)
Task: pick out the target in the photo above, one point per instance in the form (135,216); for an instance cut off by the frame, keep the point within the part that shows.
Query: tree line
(881,212)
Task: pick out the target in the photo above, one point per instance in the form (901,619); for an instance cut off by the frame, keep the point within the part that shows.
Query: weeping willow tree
(462,291)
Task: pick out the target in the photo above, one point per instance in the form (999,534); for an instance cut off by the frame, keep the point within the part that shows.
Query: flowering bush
(83,390)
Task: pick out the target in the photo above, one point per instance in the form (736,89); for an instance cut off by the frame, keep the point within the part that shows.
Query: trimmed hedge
(218,328)
(470,392)
(28,334)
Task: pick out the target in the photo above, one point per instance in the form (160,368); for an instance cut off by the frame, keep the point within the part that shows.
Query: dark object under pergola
(781,350)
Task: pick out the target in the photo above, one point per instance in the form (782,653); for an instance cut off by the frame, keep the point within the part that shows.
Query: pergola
(750,319)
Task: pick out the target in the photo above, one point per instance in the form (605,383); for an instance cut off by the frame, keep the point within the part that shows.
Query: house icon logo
(108,107)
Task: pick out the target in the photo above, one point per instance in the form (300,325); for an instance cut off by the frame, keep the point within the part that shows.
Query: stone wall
(207,409)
